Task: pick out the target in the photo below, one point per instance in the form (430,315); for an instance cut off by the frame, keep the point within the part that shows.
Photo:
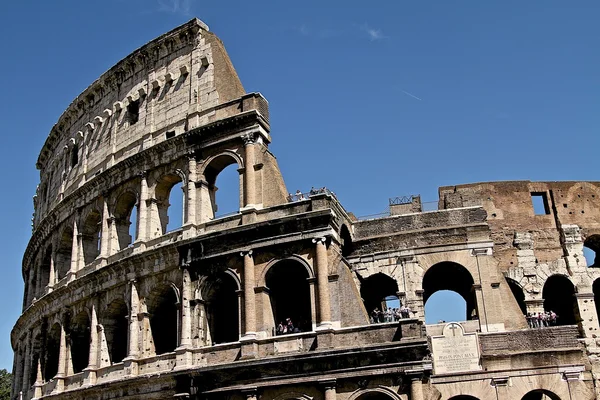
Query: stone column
(186,314)
(190,218)
(39,381)
(113,245)
(142,214)
(90,370)
(587,312)
(105,235)
(74,253)
(329,389)
(62,360)
(321,266)
(249,297)
(52,273)
(249,178)
(416,388)
(134,303)
(250,393)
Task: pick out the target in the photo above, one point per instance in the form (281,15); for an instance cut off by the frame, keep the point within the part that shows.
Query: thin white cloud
(411,95)
(182,7)
(373,33)
(320,33)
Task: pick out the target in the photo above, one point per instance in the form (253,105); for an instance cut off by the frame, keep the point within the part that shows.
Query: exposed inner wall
(160,90)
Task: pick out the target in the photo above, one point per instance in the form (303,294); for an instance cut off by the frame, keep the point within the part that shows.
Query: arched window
(289,293)
(376,291)
(223,171)
(74,155)
(36,352)
(590,250)
(125,219)
(517,292)
(116,325)
(45,269)
(559,296)
(346,241)
(169,197)
(52,349)
(540,394)
(91,230)
(221,299)
(164,319)
(80,341)
(445,278)
(63,254)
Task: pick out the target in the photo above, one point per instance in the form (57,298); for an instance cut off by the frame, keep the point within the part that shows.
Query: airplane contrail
(411,95)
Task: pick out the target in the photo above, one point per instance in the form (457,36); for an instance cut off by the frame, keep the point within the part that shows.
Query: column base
(249,346)
(130,366)
(183,357)
(324,326)
(89,376)
(60,384)
(325,338)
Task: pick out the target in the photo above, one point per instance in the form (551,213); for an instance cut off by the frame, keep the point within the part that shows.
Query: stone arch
(376,393)
(91,230)
(163,193)
(64,251)
(518,293)
(52,350)
(221,302)
(591,249)
(374,290)
(210,170)
(454,277)
(124,207)
(540,394)
(463,397)
(80,335)
(289,292)
(346,241)
(301,260)
(115,320)
(559,296)
(164,308)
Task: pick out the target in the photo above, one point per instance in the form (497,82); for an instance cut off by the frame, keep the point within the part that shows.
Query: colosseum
(289,297)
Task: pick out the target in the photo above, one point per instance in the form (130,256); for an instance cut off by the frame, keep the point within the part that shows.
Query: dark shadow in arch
(45,270)
(90,232)
(517,292)
(559,296)
(346,239)
(80,341)
(222,304)
(164,319)
(540,394)
(463,397)
(212,172)
(374,291)
(36,356)
(289,292)
(62,263)
(52,349)
(115,321)
(374,395)
(165,193)
(451,276)
(124,210)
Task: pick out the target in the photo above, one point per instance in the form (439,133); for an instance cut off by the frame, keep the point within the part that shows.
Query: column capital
(246,253)
(249,138)
(320,240)
(328,383)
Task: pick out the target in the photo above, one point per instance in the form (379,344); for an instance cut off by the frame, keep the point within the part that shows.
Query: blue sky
(372,99)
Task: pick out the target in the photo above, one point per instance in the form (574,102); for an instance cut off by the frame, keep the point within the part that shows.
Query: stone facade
(118,306)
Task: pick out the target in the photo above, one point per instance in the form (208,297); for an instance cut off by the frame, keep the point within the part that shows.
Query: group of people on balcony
(302,196)
(286,327)
(542,319)
(390,314)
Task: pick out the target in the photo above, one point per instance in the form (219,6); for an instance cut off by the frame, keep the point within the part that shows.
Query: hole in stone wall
(222,308)
(91,231)
(559,296)
(456,300)
(52,348)
(539,201)
(80,341)
(74,155)
(133,111)
(164,319)
(170,200)
(115,322)
(126,219)
(375,291)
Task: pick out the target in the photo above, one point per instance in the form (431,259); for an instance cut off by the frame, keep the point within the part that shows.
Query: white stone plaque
(455,350)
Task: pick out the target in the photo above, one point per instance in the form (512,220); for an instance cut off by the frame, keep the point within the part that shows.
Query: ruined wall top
(162,89)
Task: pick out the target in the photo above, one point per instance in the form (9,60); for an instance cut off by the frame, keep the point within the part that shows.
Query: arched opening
(376,291)
(74,155)
(463,397)
(170,203)
(220,294)
(116,325)
(52,348)
(80,341)
(224,171)
(517,292)
(374,395)
(164,319)
(346,241)
(36,352)
(125,219)
(449,276)
(540,394)
(559,297)
(591,245)
(91,230)
(63,253)
(596,291)
(45,269)
(289,292)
